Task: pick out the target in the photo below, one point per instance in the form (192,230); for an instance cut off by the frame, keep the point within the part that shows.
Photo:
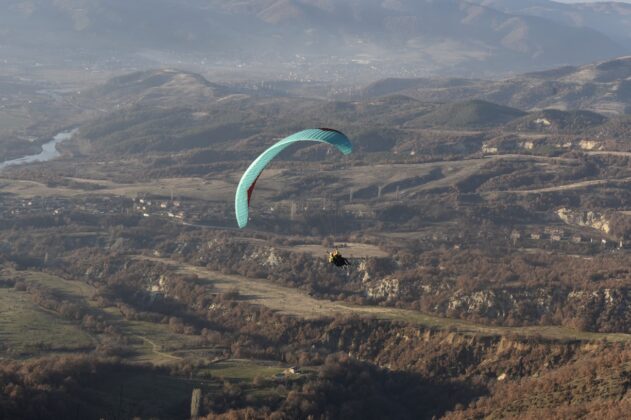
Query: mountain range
(610,18)
(603,87)
(326,39)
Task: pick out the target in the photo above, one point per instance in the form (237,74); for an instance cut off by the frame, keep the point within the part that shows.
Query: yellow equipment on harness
(334,256)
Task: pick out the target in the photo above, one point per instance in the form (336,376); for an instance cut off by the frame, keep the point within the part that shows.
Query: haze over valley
(303,40)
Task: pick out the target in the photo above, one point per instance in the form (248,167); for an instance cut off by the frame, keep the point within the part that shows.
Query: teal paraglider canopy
(251,175)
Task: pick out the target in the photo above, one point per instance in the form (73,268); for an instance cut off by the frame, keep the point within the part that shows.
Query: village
(144,206)
(557,234)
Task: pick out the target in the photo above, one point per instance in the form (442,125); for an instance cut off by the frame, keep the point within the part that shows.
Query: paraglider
(337,259)
(252,174)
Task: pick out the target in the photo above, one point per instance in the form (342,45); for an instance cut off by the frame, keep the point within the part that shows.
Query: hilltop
(163,87)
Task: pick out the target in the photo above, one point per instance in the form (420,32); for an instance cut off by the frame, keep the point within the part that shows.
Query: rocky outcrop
(590,145)
(499,304)
(388,289)
(590,219)
(432,289)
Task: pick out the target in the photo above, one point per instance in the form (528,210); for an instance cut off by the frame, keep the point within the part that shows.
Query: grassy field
(273,181)
(244,370)
(154,343)
(295,302)
(27,329)
(76,289)
(186,188)
(158,343)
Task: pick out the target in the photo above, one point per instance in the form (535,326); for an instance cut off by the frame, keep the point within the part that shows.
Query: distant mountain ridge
(349,37)
(608,17)
(603,87)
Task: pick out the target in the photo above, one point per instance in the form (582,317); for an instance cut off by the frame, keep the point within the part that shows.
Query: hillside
(554,120)
(615,128)
(612,18)
(178,111)
(603,87)
(157,88)
(469,114)
(172,110)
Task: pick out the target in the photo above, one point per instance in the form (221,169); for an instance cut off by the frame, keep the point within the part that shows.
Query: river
(49,151)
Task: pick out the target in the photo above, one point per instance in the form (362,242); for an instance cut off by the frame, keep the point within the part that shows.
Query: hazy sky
(590,1)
